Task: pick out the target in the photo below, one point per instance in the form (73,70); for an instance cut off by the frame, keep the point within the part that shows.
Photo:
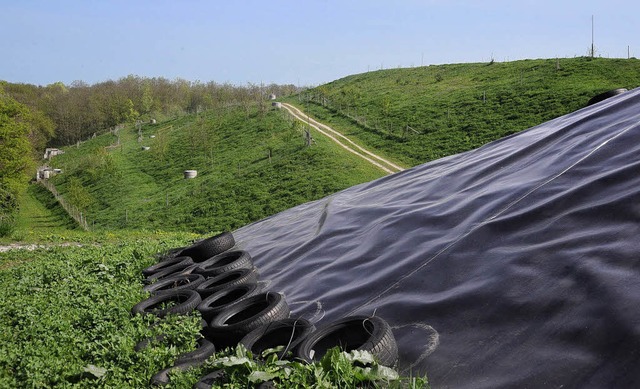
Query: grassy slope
(126,187)
(462,106)
(41,219)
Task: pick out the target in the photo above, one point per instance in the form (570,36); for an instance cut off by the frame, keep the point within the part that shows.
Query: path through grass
(41,216)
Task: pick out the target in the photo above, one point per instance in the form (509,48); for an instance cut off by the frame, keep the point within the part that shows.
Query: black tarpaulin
(512,265)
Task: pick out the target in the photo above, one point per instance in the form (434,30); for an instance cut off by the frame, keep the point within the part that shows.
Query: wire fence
(71,210)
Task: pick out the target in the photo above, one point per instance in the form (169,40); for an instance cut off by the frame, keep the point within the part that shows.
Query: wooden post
(307,136)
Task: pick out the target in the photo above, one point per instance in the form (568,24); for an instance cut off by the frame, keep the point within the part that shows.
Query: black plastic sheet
(512,265)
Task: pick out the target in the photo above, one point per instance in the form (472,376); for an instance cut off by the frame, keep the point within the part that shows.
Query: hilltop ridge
(415,115)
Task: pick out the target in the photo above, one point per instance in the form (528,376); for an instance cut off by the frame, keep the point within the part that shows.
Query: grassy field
(250,165)
(65,309)
(455,108)
(40,215)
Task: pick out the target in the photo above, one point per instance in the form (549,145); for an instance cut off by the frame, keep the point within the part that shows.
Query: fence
(73,211)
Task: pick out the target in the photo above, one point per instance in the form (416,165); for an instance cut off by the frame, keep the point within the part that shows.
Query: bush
(7,226)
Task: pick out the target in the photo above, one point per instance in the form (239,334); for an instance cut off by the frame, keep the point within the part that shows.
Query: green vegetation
(21,131)
(250,163)
(455,108)
(40,215)
(336,369)
(80,110)
(65,322)
(65,310)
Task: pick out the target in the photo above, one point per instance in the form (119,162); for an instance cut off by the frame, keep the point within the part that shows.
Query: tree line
(79,110)
(33,117)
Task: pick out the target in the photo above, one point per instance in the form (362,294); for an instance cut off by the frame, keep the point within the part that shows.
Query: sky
(300,42)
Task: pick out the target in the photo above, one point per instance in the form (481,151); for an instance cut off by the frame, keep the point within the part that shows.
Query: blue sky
(302,42)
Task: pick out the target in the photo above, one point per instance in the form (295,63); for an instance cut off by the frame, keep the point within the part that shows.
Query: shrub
(7,226)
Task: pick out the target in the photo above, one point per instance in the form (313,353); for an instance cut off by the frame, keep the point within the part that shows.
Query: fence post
(79,217)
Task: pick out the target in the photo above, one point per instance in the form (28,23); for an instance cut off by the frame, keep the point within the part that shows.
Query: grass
(65,321)
(39,216)
(459,107)
(65,309)
(238,182)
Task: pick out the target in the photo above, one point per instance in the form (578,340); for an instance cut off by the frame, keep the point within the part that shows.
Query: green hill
(408,115)
(251,164)
(454,108)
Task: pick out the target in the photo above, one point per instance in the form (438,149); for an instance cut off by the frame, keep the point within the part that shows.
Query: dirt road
(343,141)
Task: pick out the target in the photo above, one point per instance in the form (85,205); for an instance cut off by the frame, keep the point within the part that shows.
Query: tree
(15,150)
(130,114)
(78,195)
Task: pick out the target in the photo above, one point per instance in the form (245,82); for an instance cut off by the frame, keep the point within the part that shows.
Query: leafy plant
(65,316)
(7,226)
(336,369)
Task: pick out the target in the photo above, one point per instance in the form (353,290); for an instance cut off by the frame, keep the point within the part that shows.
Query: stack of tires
(222,284)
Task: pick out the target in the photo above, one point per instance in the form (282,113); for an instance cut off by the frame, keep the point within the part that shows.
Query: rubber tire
(162,378)
(171,253)
(173,263)
(146,342)
(365,333)
(218,301)
(603,96)
(210,247)
(218,377)
(225,262)
(188,300)
(288,332)
(203,351)
(177,282)
(250,313)
(225,280)
(163,274)
(266,385)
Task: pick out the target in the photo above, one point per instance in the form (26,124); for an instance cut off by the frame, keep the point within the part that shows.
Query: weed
(7,227)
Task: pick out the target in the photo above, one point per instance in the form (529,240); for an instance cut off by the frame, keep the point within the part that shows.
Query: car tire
(250,313)
(204,349)
(217,377)
(287,332)
(176,282)
(603,96)
(173,263)
(163,274)
(225,262)
(371,334)
(225,280)
(187,301)
(218,301)
(209,247)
